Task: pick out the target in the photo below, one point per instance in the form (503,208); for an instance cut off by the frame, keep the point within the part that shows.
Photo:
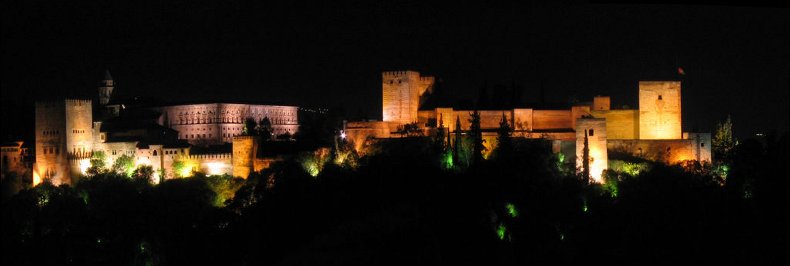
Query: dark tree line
(402,205)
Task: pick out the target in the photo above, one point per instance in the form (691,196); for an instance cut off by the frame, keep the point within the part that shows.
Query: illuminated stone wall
(522,119)
(220,164)
(447,115)
(597,144)
(663,150)
(51,162)
(401,95)
(245,148)
(216,123)
(551,119)
(702,145)
(360,133)
(79,135)
(424,117)
(113,150)
(659,110)
(602,103)
(620,124)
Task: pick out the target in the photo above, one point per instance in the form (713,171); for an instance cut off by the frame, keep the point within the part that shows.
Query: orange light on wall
(597,164)
(36,178)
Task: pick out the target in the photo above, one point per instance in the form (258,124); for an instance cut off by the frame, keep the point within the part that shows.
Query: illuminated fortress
(204,137)
(651,132)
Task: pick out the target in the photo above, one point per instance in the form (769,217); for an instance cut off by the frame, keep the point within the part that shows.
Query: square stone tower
(596,143)
(245,149)
(659,110)
(401,92)
(64,139)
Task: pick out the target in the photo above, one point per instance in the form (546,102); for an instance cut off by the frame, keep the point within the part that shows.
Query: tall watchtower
(401,91)
(105,88)
(659,110)
(64,139)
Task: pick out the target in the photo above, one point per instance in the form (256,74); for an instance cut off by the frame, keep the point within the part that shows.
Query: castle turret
(105,88)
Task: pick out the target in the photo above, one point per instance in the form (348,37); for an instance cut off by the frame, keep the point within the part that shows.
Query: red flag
(681,71)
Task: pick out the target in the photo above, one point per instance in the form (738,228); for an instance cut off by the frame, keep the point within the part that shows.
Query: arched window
(659,97)
(155,153)
(592,132)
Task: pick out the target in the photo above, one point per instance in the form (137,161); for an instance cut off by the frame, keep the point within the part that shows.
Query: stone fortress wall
(652,131)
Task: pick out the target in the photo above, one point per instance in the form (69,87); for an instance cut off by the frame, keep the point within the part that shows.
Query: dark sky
(737,59)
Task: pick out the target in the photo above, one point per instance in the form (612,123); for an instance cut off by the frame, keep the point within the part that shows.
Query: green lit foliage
(501,231)
(440,144)
(723,141)
(611,180)
(180,169)
(344,154)
(722,170)
(124,164)
(629,168)
(585,207)
(313,162)
(511,210)
(98,163)
(447,160)
(563,167)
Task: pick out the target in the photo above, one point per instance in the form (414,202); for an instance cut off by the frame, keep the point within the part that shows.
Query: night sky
(736,59)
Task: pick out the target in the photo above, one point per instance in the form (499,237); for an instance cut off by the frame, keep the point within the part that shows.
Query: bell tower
(105,88)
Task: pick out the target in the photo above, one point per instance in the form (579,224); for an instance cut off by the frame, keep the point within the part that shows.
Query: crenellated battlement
(243,137)
(78,102)
(79,155)
(217,156)
(398,74)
